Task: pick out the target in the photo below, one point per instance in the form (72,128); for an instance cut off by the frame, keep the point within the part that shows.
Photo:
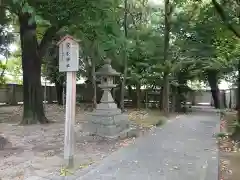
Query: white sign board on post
(68,55)
(69,63)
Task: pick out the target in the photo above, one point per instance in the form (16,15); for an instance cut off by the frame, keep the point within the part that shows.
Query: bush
(160,122)
(221,135)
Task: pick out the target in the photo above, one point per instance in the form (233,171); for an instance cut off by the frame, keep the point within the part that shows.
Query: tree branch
(47,39)
(223,16)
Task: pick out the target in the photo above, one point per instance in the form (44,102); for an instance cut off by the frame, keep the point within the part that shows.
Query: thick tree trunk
(166,87)
(213,83)
(236,133)
(31,65)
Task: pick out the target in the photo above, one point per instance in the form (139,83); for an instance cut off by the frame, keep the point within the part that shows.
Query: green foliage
(199,41)
(160,122)
(2,69)
(14,70)
(221,135)
(6,37)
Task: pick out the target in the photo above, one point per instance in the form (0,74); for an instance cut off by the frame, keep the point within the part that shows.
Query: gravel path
(184,149)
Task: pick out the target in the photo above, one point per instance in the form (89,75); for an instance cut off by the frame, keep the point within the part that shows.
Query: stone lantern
(107,120)
(107,74)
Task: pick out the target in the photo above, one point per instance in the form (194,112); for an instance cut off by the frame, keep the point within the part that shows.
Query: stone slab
(105,112)
(106,106)
(107,123)
(109,120)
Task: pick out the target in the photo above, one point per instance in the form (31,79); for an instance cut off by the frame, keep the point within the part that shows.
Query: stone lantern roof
(107,69)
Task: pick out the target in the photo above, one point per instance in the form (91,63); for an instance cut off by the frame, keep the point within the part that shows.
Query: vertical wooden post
(69,140)
(69,63)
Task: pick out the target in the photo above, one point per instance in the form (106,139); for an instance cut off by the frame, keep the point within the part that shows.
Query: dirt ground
(229,152)
(230,165)
(37,150)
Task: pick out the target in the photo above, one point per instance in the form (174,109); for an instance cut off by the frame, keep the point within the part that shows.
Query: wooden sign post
(69,63)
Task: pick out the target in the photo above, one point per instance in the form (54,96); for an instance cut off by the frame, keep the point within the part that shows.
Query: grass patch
(153,121)
(221,135)
(152,118)
(161,122)
(67,171)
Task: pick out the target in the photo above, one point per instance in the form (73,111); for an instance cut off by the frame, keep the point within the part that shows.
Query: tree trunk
(129,92)
(224,100)
(230,99)
(167,17)
(238,94)
(213,83)
(125,57)
(94,86)
(161,99)
(59,91)
(236,133)
(181,92)
(173,99)
(33,111)
(193,98)
(178,100)
(138,92)
(165,100)
(12,95)
(131,96)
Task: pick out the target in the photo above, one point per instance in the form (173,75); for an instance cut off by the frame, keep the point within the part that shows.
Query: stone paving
(184,149)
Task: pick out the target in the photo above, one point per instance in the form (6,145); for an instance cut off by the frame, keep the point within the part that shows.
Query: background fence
(12,94)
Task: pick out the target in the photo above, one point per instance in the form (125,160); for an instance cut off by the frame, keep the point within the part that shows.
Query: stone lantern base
(111,124)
